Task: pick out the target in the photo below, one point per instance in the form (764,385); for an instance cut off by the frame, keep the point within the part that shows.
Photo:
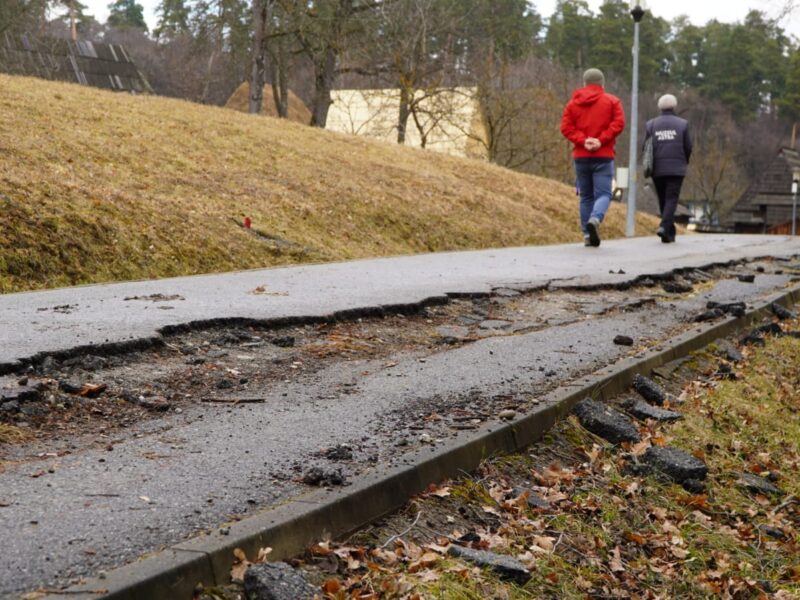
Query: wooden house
(766,206)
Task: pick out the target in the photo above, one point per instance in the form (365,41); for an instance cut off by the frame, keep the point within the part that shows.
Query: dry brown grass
(96,186)
(240,100)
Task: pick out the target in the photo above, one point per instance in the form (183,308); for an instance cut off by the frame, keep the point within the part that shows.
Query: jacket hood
(588,95)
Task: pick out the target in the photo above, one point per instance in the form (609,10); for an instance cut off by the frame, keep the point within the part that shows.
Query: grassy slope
(96,186)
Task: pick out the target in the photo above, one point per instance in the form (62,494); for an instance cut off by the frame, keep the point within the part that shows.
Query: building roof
(88,63)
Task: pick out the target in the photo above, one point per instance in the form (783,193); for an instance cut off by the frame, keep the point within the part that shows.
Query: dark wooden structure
(766,206)
(88,63)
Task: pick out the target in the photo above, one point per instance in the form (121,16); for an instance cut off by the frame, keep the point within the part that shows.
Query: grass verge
(97,187)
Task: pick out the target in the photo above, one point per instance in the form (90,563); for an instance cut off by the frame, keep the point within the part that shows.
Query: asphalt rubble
(615,422)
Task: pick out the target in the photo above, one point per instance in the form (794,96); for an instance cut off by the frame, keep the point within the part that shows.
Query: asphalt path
(168,479)
(62,319)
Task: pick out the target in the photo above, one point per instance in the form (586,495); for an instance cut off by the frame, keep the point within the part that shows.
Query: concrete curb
(173,573)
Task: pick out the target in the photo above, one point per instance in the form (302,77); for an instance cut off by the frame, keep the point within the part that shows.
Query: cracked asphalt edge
(173,573)
(158,340)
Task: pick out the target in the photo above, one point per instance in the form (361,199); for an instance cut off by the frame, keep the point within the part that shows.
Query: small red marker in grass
(247,222)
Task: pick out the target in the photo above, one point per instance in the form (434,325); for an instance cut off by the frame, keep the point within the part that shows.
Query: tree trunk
(73,25)
(323,84)
(279,77)
(404,114)
(257,66)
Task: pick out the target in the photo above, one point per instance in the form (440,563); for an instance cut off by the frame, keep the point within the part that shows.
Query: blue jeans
(594,186)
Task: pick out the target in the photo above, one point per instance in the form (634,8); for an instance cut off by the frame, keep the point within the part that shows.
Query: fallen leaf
(616,561)
(240,565)
(425,561)
(680,553)
(92,389)
(635,538)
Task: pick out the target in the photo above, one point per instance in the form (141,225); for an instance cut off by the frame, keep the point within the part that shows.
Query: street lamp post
(795,181)
(637,12)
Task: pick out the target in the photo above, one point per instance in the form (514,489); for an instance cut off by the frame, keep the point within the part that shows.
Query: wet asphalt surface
(170,478)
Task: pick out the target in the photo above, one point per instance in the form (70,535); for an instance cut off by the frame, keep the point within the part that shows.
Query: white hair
(667,102)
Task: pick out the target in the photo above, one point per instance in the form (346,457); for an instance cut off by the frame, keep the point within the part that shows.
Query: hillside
(97,186)
(297,111)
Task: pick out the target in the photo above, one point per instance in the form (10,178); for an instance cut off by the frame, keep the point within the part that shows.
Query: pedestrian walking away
(592,121)
(672,149)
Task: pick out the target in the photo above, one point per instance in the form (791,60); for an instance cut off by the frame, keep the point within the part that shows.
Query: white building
(448,119)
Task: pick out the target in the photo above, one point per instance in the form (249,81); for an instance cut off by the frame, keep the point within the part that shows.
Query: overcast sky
(699,11)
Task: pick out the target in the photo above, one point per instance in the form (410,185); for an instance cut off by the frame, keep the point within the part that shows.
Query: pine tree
(173,19)
(126,14)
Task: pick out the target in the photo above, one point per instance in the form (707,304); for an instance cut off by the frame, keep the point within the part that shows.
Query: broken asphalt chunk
(623,340)
(676,287)
(494,324)
(505,567)
(606,422)
(737,309)
(758,484)
(286,341)
(643,411)
(773,532)
(649,389)
(783,313)
(746,278)
(728,351)
(752,339)
(323,477)
(769,328)
(676,464)
(340,452)
(724,371)
(709,315)
(21,393)
(277,581)
(69,387)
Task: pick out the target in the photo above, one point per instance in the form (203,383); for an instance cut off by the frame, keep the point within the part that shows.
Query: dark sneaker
(663,235)
(586,241)
(593,227)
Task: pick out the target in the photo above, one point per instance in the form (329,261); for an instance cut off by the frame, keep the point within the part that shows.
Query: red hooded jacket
(593,113)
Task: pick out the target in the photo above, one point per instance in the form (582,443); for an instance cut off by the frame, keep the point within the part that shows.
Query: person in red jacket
(592,121)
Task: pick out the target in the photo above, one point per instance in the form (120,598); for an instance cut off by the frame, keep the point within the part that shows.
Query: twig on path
(234,400)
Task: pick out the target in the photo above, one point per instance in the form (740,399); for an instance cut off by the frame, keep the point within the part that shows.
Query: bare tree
(324,30)
(715,175)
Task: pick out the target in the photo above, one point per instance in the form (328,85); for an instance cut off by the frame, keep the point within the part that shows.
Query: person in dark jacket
(592,121)
(672,149)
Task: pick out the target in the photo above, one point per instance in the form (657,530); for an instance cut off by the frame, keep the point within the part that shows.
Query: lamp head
(638,8)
